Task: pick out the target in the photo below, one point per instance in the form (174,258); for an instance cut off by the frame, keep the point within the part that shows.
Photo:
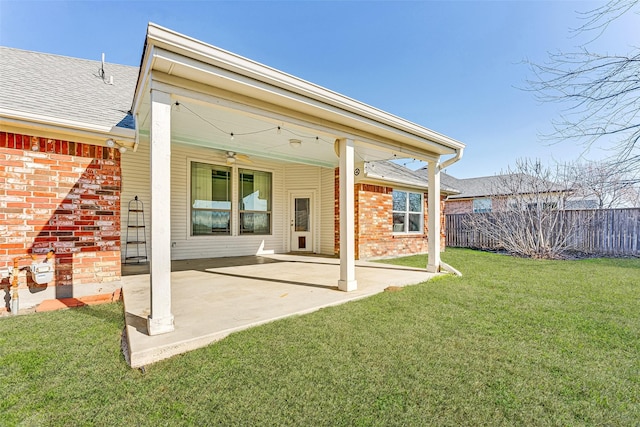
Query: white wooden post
(160,320)
(433,221)
(347,280)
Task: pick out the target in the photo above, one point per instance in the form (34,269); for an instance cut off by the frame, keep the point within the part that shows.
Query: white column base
(433,268)
(160,326)
(347,285)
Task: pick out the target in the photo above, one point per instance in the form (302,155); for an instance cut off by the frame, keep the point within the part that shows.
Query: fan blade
(243,158)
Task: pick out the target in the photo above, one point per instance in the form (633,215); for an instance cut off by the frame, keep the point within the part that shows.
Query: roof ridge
(74,58)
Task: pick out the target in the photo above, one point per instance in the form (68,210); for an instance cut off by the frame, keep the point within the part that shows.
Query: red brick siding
(458,206)
(374,224)
(466,205)
(65,196)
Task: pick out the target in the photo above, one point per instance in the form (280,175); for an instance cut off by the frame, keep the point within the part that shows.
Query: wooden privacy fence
(614,232)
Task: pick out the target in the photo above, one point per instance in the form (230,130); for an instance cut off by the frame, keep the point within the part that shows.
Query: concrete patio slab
(212,298)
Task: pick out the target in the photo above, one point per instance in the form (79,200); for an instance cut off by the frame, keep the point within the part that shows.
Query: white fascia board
(143,78)
(62,126)
(360,128)
(208,54)
(378,179)
(178,89)
(368,178)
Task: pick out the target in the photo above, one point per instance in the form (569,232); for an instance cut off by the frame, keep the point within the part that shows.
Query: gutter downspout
(444,266)
(452,160)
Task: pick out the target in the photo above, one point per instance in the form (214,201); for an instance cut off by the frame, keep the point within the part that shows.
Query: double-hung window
(210,199)
(482,205)
(229,201)
(255,201)
(408,212)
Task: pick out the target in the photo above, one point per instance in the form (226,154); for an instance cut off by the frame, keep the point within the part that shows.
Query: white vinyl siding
(327,211)
(306,178)
(135,173)
(135,182)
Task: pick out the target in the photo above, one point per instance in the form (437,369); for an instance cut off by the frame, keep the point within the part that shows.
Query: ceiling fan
(232,157)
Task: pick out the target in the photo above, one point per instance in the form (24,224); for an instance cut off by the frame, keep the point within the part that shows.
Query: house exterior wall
(65,196)
(304,178)
(458,206)
(464,206)
(286,178)
(327,211)
(374,224)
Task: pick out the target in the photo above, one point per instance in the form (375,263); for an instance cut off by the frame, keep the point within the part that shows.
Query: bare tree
(604,185)
(601,91)
(526,216)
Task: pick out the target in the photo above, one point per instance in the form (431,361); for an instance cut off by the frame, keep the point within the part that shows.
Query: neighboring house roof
(388,171)
(65,91)
(446,180)
(487,186)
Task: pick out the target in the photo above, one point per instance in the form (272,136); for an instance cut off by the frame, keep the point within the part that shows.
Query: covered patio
(225,149)
(214,297)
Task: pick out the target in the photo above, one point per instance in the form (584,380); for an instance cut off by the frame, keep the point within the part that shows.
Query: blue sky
(454,67)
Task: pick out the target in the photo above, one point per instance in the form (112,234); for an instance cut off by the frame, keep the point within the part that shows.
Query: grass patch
(514,341)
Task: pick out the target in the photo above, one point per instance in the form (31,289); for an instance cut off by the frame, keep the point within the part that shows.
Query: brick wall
(64,196)
(374,224)
(458,206)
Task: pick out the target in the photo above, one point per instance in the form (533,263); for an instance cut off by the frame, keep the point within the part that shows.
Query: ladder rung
(135,226)
(136,257)
(136,210)
(136,242)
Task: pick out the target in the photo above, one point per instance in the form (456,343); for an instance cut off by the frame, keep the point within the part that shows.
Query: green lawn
(513,342)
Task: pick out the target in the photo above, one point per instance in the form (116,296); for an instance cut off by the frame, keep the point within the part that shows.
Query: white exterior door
(301,222)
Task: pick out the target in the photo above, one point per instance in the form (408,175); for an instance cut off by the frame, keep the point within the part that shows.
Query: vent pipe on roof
(102,74)
(101,70)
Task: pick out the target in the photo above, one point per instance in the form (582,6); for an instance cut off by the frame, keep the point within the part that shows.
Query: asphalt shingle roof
(390,171)
(485,186)
(66,88)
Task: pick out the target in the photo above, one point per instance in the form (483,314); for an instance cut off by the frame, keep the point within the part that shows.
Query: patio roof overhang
(193,93)
(222,93)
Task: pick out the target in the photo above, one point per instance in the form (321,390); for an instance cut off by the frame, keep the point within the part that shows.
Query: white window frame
(407,212)
(486,202)
(189,198)
(235,208)
(240,211)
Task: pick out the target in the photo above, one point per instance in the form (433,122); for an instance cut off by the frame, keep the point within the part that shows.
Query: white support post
(433,221)
(160,320)
(347,280)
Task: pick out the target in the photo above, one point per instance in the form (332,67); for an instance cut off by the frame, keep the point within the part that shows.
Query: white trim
(237,200)
(237,73)
(433,226)
(143,79)
(160,319)
(181,89)
(46,124)
(407,212)
(215,56)
(347,280)
(189,226)
(315,220)
(235,189)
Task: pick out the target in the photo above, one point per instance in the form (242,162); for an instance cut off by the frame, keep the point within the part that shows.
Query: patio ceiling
(210,126)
